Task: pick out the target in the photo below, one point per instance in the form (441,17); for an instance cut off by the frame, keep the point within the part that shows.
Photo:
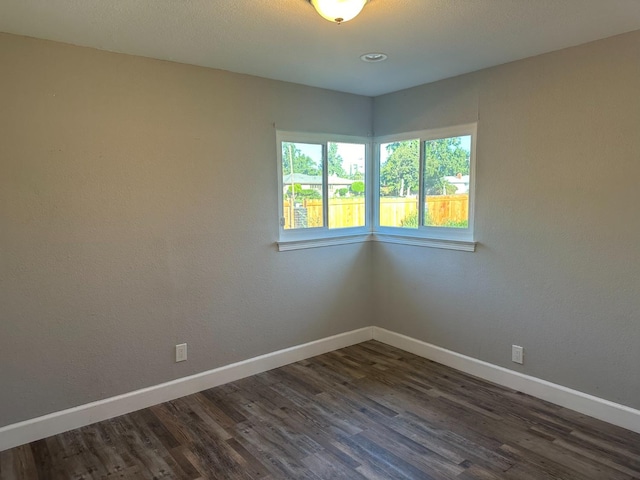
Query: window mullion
(374,191)
(421,196)
(371,183)
(325,184)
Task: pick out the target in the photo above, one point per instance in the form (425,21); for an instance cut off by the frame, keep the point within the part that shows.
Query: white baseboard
(596,407)
(58,422)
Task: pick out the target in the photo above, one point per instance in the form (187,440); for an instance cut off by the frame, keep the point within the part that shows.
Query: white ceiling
(426,40)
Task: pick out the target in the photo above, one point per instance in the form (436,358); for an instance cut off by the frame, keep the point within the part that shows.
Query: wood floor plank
(329,467)
(8,470)
(609,460)
(369,452)
(367,411)
(191,472)
(42,460)
(98,444)
(414,453)
(481,451)
(111,441)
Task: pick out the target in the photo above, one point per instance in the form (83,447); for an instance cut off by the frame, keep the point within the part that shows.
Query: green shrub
(456,223)
(357,188)
(410,221)
(297,188)
(309,194)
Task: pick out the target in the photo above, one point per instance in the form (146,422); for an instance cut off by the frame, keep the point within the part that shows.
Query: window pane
(399,183)
(446,182)
(302,185)
(346,185)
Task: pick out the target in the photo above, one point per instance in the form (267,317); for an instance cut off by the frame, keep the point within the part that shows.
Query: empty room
(319,239)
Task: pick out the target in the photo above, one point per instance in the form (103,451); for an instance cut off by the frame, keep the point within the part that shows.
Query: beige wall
(138,210)
(557,268)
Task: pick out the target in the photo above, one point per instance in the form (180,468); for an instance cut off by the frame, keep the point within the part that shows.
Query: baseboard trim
(596,407)
(76,417)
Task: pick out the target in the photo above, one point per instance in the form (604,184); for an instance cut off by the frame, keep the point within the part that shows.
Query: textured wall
(556,270)
(138,210)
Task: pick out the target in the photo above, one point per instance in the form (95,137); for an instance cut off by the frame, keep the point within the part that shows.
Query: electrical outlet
(181,352)
(517,354)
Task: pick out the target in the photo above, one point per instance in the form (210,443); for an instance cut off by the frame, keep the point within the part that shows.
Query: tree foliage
(334,161)
(357,188)
(444,157)
(399,175)
(304,164)
(301,163)
(300,193)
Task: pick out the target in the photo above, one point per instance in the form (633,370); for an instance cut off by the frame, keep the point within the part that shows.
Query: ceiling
(426,40)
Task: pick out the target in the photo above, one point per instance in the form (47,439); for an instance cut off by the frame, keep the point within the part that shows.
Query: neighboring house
(461,182)
(315,182)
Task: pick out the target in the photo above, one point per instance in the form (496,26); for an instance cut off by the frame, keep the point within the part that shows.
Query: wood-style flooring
(366,411)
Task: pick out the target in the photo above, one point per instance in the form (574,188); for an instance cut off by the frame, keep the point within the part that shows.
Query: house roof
(464,179)
(314,179)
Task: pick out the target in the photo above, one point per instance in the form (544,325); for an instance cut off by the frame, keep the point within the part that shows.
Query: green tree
(399,174)
(444,157)
(301,163)
(334,161)
(297,188)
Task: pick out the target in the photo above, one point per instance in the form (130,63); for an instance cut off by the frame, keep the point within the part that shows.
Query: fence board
(350,212)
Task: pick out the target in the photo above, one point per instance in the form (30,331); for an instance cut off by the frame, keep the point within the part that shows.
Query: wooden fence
(343,212)
(447,209)
(350,212)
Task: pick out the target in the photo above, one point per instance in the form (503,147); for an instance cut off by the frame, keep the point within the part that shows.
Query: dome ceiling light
(338,11)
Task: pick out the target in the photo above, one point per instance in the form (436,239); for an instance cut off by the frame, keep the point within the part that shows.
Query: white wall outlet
(517,354)
(181,352)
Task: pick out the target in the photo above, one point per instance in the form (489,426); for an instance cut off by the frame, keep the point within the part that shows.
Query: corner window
(323,191)
(420,190)
(426,184)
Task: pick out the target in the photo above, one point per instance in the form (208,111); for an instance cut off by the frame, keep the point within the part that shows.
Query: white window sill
(287,245)
(460,245)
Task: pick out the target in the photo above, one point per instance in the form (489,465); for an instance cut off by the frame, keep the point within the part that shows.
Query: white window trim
(284,246)
(461,245)
(435,237)
(437,234)
(314,237)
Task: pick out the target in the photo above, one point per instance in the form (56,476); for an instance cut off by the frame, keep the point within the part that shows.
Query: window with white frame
(420,190)
(323,192)
(425,184)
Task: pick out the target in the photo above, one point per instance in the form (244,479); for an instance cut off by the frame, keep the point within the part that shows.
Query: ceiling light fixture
(338,11)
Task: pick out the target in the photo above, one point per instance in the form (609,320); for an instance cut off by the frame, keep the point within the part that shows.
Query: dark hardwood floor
(367,411)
